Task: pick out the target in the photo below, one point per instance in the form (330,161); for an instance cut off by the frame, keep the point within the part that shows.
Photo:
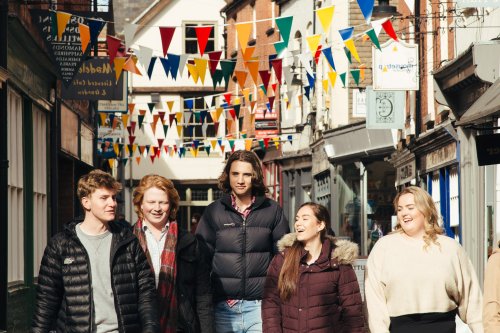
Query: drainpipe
(4,165)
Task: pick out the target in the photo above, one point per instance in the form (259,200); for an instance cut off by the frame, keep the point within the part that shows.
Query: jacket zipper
(91,327)
(244,259)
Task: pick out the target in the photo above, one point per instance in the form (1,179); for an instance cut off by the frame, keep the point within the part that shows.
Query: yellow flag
(333,77)
(313,42)
(194,151)
(350,45)
(170,104)
(243,30)
(218,112)
(201,68)
(115,148)
(84,36)
(246,94)
(276,142)
(213,143)
(193,71)
(103,118)
(125,119)
(325,16)
(178,117)
(325,86)
(179,130)
(62,21)
(248,144)
(119,63)
(111,162)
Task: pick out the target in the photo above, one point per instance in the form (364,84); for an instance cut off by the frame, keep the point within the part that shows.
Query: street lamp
(384,9)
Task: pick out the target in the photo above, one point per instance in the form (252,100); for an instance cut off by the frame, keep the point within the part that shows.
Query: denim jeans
(243,317)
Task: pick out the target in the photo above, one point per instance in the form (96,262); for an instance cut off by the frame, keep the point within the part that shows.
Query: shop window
(39,186)
(15,222)
(436,195)
(199,195)
(454,199)
(191,41)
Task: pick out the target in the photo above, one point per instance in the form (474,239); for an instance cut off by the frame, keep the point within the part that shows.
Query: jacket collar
(121,231)
(226,201)
(343,252)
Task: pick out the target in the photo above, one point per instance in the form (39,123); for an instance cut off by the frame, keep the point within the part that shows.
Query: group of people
(243,271)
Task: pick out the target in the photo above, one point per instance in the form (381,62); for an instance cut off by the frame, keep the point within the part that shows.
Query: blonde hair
(425,204)
(163,184)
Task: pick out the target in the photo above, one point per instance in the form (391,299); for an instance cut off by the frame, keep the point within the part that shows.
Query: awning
(486,106)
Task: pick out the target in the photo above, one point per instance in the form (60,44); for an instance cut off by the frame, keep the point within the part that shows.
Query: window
(190,40)
(39,186)
(193,130)
(436,195)
(15,223)
(271,180)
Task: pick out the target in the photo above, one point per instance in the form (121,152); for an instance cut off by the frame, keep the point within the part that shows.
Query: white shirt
(155,247)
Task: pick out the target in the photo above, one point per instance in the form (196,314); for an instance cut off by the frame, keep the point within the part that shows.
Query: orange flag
(84,36)
(253,68)
(241,77)
(138,160)
(247,54)
(248,144)
(130,65)
(170,104)
(131,107)
(119,63)
(244,30)
(62,21)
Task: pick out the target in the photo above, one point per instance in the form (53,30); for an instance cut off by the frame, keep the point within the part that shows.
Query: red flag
(387,25)
(227,97)
(113,47)
(266,142)
(131,139)
(277,64)
(214,57)
(202,34)
(317,54)
(271,103)
(160,143)
(166,37)
(265,76)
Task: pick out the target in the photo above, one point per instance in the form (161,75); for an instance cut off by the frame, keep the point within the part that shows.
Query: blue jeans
(243,317)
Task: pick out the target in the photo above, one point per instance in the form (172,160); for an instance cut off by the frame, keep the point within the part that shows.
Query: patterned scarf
(167,276)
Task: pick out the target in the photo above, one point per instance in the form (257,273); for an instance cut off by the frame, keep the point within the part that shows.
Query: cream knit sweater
(402,278)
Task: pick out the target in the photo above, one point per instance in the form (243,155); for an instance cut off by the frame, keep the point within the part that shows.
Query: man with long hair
(241,230)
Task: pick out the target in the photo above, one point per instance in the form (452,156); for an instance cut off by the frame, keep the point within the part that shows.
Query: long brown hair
(258,186)
(289,274)
(425,204)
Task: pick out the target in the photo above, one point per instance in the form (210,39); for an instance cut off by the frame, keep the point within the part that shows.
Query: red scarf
(167,276)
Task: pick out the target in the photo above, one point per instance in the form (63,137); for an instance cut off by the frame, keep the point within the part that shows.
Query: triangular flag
(145,54)
(119,62)
(311,79)
(227,67)
(329,57)
(111,162)
(261,144)
(182,62)
(84,36)
(244,30)
(103,117)
(266,142)
(62,20)
(201,68)
(279,47)
(313,42)
(217,78)
(193,71)
(307,91)
(265,76)
(165,130)
(130,65)
(241,77)
(346,33)
(284,25)
(227,97)
(113,47)
(125,119)
(131,107)
(178,117)
(170,105)
(129,31)
(208,100)
(187,116)
(277,66)
(166,65)
(333,77)
(343,78)
(253,68)
(366,7)
(271,103)
(352,48)
(325,16)
(174,60)
(214,57)
(276,141)
(290,138)
(348,54)
(248,52)
(325,85)
(166,34)
(138,160)
(95,26)
(151,106)
(387,25)
(373,37)
(202,35)
(140,118)
(248,144)
(355,75)
(207,149)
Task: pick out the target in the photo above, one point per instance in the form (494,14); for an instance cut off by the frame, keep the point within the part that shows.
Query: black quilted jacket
(64,300)
(241,249)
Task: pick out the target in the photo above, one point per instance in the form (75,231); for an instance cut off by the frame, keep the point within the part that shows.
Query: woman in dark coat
(311,285)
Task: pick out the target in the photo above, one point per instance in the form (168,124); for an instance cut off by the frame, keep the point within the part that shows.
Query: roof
(487,105)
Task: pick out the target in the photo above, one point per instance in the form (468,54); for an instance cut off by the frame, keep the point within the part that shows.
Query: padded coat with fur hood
(327,298)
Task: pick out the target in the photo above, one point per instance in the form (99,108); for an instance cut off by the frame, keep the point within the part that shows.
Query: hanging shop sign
(405,173)
(488,149)
(95,80)
(66,51)
(117,104)
(385,109)
(358,102)
(395,67)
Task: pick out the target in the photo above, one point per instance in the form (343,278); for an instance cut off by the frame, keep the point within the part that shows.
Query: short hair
(425,204)
(164,184)
(258,187)
(96,179)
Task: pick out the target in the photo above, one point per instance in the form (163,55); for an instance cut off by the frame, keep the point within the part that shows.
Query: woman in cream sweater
(417,279)
(491,310)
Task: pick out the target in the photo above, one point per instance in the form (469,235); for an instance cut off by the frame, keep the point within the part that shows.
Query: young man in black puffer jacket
(94,275)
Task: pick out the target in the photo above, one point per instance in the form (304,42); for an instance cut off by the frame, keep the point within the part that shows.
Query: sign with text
(395,67)
(116,105)
(488,149)
(385,109)
(65,53)
(95,80)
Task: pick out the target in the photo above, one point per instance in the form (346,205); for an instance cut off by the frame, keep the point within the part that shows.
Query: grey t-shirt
(99,251)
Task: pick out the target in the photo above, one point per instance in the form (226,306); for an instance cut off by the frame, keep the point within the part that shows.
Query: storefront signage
(117,104)
(358,103)
(488,149)
(395,67)
(66,53)
(405,173)
(359,267)
(385,109)
(478,3)
(96,80)
(441,156)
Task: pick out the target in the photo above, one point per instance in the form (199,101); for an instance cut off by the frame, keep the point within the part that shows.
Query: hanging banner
(65,52)
(395,67)
(385,109)
(95,80)
(116,105)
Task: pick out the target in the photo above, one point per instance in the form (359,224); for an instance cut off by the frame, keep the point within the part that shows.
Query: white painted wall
(480,26)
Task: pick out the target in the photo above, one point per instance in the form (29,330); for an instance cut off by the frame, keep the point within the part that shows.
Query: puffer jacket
(241,249)
(327,299)
(64,293)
